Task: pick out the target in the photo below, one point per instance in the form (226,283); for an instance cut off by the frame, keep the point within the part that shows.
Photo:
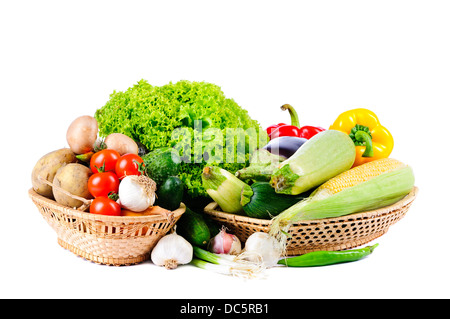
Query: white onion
(137,193)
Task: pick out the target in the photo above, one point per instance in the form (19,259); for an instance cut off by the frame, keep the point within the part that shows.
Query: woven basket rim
(214,210)
(50,203)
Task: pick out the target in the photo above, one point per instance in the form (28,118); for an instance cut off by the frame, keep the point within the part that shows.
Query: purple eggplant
(285,145)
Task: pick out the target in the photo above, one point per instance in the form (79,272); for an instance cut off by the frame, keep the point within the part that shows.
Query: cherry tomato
(129,164)
(105,206)
(104,161)
(101,184)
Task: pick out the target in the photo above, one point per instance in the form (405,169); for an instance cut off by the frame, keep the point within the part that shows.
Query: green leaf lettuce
(150,114)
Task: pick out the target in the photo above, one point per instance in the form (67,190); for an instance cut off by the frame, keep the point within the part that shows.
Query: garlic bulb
(172,250)
(225,243)
(262,246)
(137,193)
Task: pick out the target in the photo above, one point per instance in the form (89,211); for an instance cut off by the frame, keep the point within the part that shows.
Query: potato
(73,178)
(82,134)
(121,143)
(47,166)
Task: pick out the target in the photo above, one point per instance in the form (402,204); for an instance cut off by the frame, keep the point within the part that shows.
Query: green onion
(220,269)
(218,259)
(226,264)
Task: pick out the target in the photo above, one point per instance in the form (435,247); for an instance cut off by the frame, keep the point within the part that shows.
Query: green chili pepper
(322,258)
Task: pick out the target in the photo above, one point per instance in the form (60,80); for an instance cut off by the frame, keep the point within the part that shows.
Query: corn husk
(377,192)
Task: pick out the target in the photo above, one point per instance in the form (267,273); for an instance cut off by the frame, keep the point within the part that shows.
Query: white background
(61,59)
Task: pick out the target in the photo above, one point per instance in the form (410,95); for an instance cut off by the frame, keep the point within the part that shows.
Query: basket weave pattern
(332,234)
(109,240)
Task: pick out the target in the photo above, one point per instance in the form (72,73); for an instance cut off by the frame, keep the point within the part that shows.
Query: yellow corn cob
(356,175)
(369,186)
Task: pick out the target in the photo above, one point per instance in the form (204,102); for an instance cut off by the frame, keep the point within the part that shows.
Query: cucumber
(170,194)
(192,227)
(263,202)
(161,163)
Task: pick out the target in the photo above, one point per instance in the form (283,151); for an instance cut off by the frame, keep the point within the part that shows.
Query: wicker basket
(108,240)
(323,234)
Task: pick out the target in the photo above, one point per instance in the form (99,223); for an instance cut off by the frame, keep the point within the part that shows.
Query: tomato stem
(113,195)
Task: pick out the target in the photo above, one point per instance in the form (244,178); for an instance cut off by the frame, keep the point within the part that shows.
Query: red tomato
(104,160)
(101,184)
(105,206)
(129,164)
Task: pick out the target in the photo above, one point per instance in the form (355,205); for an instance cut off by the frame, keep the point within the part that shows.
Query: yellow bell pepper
(372,140)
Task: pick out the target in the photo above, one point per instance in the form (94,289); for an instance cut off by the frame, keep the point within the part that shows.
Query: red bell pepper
(294,129)
(272,128)
(285,130)
(309,131)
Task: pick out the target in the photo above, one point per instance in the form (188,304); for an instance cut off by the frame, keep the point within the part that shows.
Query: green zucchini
(322,157)
(263,202)
(193,227)
(258,200)
(224,188)
(170,194)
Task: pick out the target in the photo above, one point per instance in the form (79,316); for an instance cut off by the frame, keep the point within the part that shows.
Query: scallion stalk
(220,269)
(218,259)
(226,264)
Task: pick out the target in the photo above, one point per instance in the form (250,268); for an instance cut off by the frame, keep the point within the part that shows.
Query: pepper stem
(361,135)
(292,113)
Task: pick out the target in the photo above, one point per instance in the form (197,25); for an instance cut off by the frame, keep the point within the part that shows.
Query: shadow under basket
(108,240)
(330,234)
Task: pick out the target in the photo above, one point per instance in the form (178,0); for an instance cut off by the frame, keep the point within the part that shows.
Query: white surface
(59,60)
